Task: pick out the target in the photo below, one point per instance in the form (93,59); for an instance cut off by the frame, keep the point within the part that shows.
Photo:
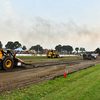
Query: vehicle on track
(52,54)
(8,60)
(90,56)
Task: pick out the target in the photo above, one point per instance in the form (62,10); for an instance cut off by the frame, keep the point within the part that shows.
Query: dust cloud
(48,33)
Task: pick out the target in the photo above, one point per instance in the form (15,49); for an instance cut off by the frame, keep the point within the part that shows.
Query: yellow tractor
(52,54)
(8,60)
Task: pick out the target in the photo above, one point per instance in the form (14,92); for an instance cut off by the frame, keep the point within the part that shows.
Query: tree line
(59,48)
(12,45)
(68,48)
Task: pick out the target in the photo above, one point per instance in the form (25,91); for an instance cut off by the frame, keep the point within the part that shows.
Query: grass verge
(82,85)
(50,59)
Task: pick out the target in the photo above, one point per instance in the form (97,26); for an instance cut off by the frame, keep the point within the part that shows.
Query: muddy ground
(19,79)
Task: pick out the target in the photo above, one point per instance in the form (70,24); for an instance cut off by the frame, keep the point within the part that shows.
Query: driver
(9,53)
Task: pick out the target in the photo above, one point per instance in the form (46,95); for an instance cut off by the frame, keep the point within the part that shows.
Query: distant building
(45,51)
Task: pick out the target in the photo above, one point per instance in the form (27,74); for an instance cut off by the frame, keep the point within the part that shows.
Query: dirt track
(24,78)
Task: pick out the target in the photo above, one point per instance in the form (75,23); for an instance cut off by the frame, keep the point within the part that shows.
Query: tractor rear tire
(8,63)
(57,56)
(52,56)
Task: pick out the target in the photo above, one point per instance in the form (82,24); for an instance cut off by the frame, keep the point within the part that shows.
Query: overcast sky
(51,22)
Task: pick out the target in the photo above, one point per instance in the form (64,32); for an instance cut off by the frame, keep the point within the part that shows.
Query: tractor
(90,56)
(52,54)
(8,60)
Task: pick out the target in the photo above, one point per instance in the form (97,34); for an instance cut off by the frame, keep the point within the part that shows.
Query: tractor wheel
(52,56)
(57,56)
(8,63)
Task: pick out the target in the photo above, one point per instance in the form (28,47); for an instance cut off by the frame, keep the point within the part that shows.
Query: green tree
(58,48)
(82,49)
(67,48)
(16,44)
(9,45)
(64,48)
(24,47)
(32,48)
(98,50)
(77,49)
(0,45)
(37,48)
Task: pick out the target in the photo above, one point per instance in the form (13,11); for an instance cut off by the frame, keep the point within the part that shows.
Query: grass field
(82,85)
(45,58)
(49,59)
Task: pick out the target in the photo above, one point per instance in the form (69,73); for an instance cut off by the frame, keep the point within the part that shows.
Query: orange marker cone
(66,72)
(65,75)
